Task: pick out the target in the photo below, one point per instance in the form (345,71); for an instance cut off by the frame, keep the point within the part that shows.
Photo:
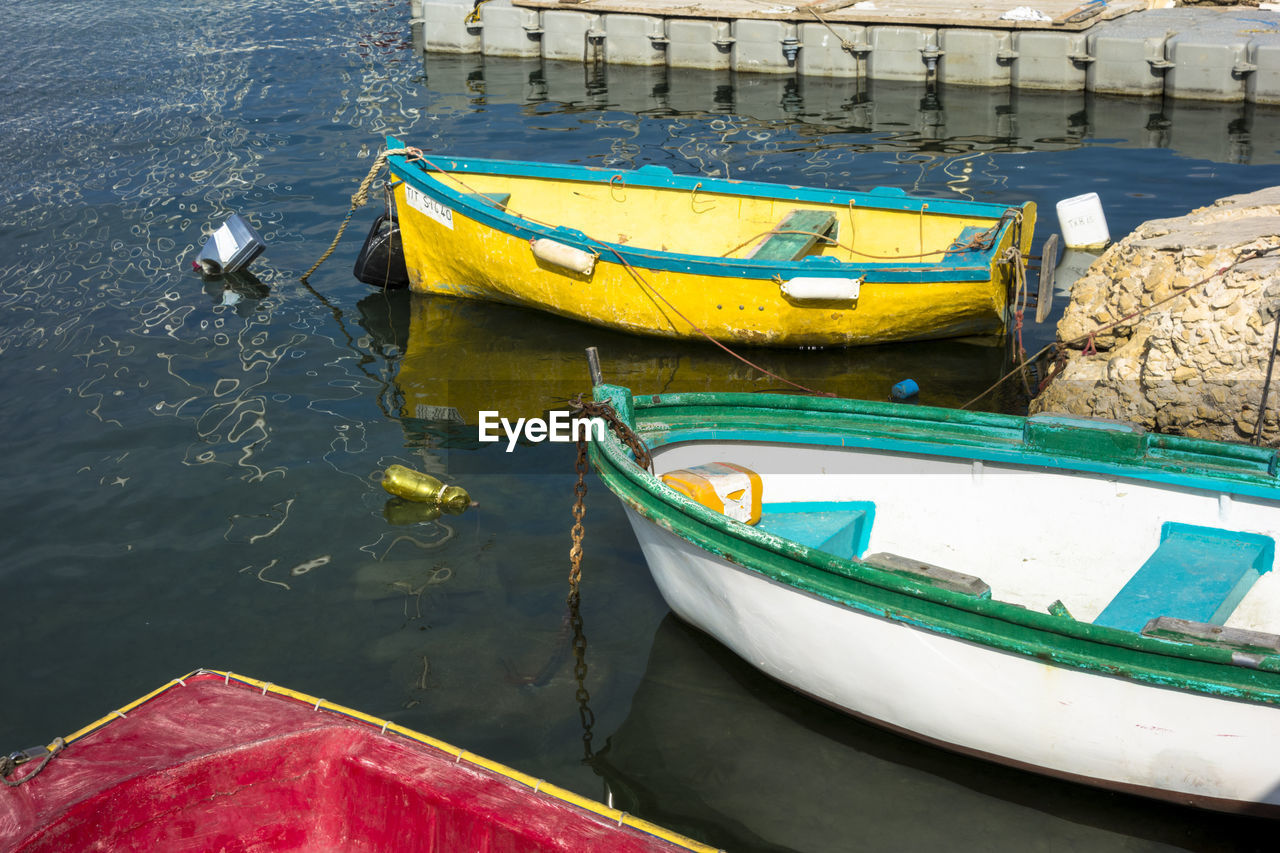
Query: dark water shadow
(715,749)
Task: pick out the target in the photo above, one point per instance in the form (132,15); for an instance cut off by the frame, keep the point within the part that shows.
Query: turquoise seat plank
(799,232)
(1197,573)
(842,528)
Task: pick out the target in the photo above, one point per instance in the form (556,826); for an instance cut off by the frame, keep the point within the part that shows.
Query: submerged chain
(575,598)
(587,717)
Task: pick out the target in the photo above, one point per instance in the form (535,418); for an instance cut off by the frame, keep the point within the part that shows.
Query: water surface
(192,471)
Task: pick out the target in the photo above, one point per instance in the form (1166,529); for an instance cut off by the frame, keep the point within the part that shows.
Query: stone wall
(1189,363)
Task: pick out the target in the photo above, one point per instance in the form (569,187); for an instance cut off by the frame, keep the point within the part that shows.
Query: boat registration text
(428,206)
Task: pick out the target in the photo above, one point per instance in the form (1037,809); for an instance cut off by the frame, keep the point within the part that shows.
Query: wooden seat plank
(930,574)
(795,236)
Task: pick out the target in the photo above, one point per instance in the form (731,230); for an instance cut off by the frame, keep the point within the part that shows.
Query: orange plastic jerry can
(722,486)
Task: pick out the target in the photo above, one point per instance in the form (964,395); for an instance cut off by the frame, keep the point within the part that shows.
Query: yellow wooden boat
(651,252)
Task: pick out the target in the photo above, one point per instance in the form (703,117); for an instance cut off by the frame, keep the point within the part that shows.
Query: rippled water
(192,470)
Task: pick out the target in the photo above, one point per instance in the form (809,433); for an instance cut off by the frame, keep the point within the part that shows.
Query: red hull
(212,763)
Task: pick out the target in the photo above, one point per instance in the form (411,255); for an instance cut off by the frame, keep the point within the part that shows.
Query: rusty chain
(576,532)
(590,409)
(575,598)
(580,673)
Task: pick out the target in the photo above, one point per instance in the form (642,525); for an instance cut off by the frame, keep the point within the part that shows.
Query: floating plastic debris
(230,248)
(416,486)
(904,390)
(1083,224)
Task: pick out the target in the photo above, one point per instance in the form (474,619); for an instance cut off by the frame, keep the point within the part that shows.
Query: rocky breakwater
(1173,327)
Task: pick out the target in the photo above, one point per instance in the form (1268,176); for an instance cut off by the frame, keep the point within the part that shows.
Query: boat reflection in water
(714,749)
(455,354)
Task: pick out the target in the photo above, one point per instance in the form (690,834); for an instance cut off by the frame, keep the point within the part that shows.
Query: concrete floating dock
(1118,47)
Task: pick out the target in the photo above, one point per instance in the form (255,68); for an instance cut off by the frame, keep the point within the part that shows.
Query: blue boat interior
(842,528)
(1196,573)
(964,246)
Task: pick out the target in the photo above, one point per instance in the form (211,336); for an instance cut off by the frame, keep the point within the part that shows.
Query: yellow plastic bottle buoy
(416,486)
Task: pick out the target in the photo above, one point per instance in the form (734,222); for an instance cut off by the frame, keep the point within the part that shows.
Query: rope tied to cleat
(11,762)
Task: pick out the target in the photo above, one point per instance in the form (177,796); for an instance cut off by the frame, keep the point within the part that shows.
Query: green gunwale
(1088,446)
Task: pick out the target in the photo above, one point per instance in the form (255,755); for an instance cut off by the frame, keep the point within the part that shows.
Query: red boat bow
(216,762)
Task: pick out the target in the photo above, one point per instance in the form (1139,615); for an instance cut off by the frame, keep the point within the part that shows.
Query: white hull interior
(1035,535)
(1101,729)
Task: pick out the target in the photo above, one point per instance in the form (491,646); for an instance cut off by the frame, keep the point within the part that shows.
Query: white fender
(574,260)
(822,289)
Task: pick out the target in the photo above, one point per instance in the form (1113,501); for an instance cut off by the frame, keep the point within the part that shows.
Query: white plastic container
(231,247)
(1082,222)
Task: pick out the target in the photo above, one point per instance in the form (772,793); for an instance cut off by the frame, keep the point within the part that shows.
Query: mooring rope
(635,274)
(360,198)
(845,44)
(473,17)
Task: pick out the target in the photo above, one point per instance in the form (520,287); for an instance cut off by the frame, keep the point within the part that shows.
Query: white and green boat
(1074,597)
